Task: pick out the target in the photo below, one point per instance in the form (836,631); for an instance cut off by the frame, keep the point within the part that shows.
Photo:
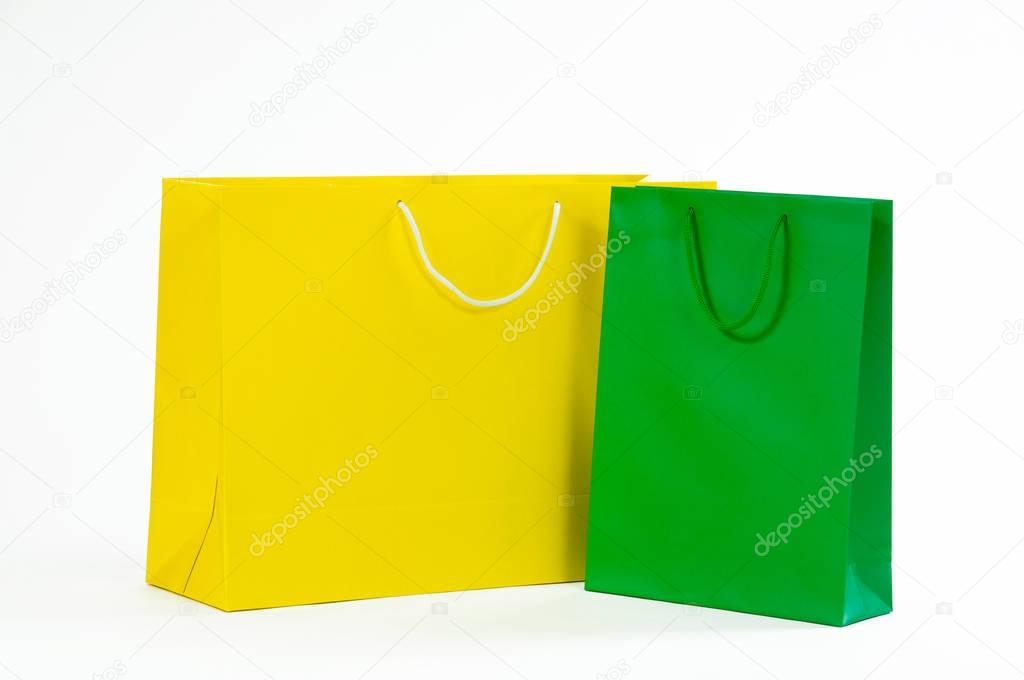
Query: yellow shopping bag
(375,386)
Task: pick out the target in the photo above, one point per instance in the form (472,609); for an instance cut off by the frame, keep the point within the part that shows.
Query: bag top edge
(624,178)
(720,192)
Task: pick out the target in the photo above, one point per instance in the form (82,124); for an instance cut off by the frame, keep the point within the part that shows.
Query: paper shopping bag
(742,452)
(374,386)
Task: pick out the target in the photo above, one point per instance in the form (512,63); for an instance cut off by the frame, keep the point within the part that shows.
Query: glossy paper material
(332,424)
(748,469)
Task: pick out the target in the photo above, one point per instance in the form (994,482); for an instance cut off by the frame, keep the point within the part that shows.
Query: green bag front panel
(713,449)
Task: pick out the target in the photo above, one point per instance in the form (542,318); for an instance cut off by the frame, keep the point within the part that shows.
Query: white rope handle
(443,280)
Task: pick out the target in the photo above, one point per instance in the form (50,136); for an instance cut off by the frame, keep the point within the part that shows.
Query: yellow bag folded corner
(332,421)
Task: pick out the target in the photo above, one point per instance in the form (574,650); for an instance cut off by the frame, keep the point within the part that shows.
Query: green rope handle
(697,274)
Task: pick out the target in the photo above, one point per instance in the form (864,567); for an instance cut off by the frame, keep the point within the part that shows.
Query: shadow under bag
(742,446)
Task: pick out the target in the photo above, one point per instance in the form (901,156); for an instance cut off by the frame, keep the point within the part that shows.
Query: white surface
(161,88)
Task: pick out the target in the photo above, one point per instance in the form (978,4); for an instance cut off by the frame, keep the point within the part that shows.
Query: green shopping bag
(742,442)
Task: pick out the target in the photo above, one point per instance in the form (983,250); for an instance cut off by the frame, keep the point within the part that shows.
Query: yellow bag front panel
(354,430)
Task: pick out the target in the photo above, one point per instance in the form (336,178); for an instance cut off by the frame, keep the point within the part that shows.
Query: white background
(99,100)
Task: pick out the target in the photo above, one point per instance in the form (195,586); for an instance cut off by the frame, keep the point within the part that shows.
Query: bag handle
(697,277)
(444,281)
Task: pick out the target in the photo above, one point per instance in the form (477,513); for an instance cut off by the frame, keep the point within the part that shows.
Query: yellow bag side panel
(187,456)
